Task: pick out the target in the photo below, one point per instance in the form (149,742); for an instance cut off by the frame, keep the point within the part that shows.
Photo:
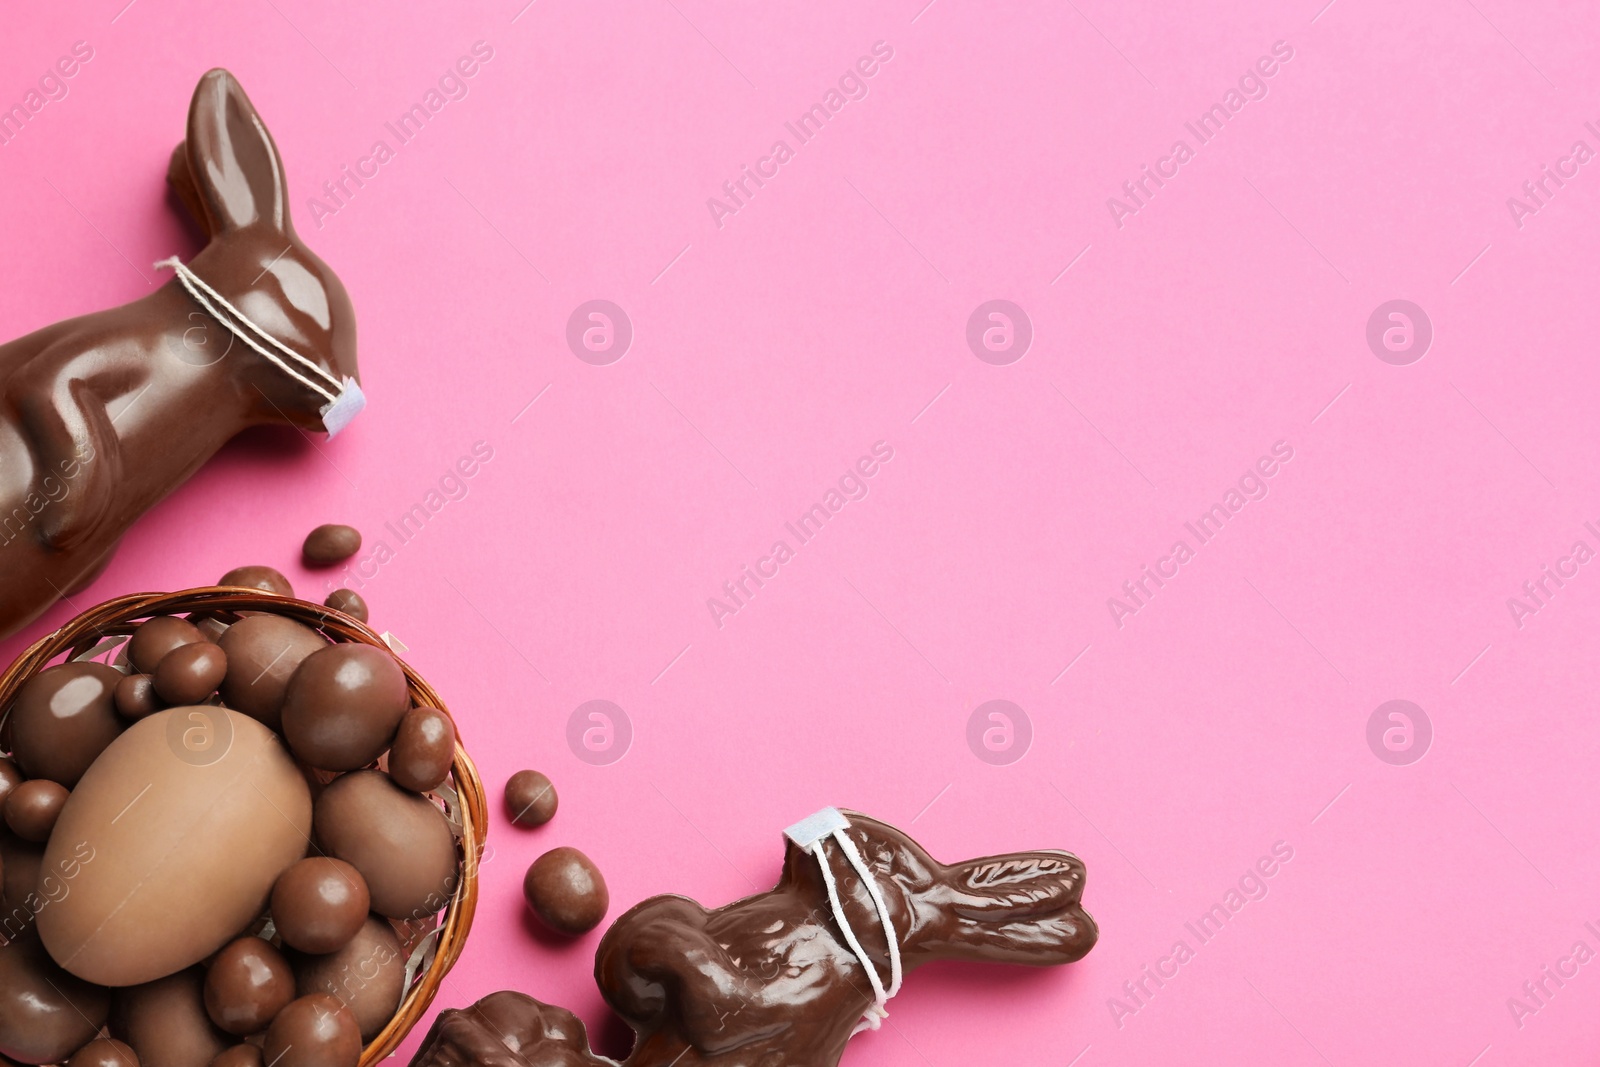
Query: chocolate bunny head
(229,175)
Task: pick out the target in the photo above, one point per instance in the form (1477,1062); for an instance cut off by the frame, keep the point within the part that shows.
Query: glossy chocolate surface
(769,979)
(45,1014)
(368,974)
(319,904)
(329,544)
(566,891)
(399,841)
(350,602)
(263,652)
(72,480)
(531,799)
(343,706)
(247,984)
(155,637)
(315,1031)
(166,1024)
(424,746)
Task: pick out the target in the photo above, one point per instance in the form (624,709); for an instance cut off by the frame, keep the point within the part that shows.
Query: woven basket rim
(117,617)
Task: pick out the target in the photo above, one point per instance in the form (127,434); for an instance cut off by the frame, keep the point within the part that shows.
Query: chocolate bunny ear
(233,164)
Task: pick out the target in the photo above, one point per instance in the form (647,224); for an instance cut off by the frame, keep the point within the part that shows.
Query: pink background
(830,313)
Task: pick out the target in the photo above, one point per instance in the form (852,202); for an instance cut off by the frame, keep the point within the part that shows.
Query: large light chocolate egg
(191,815)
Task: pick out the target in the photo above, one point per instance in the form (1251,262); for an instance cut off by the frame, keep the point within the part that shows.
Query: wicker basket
(117,618)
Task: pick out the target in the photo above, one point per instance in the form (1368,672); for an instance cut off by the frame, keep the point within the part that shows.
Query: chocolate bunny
(106,414)
(782,977)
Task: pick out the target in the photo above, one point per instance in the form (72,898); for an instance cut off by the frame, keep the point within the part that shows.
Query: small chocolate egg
(368,974)
(45,1013)
(331,543)
(237,1056)
(314,1031)
(33,808)
(63,718)
(343,706)
(104,1052)
(256,577)
(530,799)
(190,674)
(247,985)
(348,601)
(135,697)
(264,651)
(424,747)
(566,891)
(155,637)
(319,904)
(165,1021)
(399,841)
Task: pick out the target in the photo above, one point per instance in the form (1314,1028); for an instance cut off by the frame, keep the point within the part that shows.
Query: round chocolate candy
(104,1052)
(33,808)
(255,577)
(343,706)
(190,674)
(155,637)
(314,1031)
(165,1021)
(368,974)
(45,1013)
(248,984)
(135,697)
(348,601)
(237,1056)
(424,747)
(319,904)
(566,891)
(264,651)
(63,718)
(398,840)
(530,799)
(331,543)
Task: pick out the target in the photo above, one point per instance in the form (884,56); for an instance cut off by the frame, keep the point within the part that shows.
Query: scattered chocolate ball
(530,799)
(63,718)
(165,1021)
(45,1013)
(398,840)
(155,637)
(343,706)
(264,651)
(104,1052)
(566,891)
(189,674)
(248,984)
(424,747)
(135,697)
(319,904)
(237,1056)
(314,1031)
(331,543)
(348,601)
(264,578)
(368,974)
(33,808)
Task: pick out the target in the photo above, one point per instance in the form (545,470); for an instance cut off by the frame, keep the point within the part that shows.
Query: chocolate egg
(348,601)
(33,808)
(368,974)
(319,904)
(193,813)
(264,651)
(343,706)
(237,1056)
(45,1014)
(165,1022)
(21,866)
(63,718)
(191,673)
(530,799)
(104,1052)
(247,985)
(329,544)
(155,637)
(10,778)
(399,841)
(424,746)
(135,697)
(255,577)
(566,891)
(314,1031)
